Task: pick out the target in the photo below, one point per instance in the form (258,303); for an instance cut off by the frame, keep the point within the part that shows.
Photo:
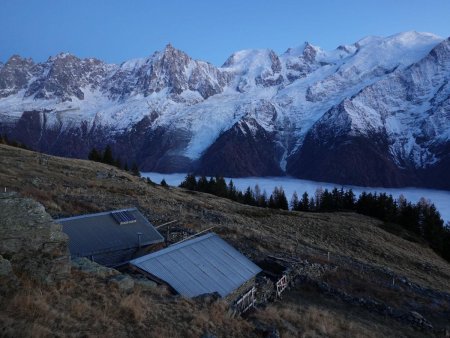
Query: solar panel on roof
(123,217)
(101,237)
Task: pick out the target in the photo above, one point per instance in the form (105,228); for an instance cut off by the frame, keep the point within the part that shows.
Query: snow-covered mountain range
(376,112)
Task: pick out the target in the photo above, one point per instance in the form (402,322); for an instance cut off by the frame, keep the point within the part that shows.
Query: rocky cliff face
(171,70)
(247,148)
(15,75)
(32,244)
(391,130)
(373,113)
(64,77)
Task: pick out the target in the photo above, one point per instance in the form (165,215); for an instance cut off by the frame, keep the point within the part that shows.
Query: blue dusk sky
(115,31)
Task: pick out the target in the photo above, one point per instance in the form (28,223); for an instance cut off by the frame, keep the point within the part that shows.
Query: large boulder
(31,241)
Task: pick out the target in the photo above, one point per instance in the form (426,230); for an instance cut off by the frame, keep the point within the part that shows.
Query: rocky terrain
(371,113)
(349,276)
(32,241)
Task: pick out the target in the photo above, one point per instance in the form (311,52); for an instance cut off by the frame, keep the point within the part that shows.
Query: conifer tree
(318,198)
(262,200)
(94,155)
(249,197)
(135,170)
(212,185)
(279,200)
(232,192)
(312,204)
(271,203)
(190,182)
(304,203)
(260,197)
(349,200)
(326,201)
(108,156)
(294,201)
(282,200)
(221,187)
(203,184)
(446,242)
(257,192)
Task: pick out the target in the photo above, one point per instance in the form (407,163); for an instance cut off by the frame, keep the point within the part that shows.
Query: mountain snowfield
(372,113)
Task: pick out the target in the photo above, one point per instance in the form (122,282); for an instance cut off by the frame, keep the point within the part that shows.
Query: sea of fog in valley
(440,198)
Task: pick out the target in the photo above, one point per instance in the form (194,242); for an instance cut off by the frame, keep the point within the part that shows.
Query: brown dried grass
(84,306)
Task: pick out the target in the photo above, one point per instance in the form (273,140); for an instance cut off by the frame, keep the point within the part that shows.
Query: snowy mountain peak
(14,59)
(411,37)
(398,49)
(15,75)
(133,64)
(171,57)
(254,68)
(387,97)
(296,51)
(62,56)
(247,58)
(302,50)
(170,49)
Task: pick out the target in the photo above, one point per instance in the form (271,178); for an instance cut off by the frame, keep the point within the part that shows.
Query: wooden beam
(159,226)
(198,233)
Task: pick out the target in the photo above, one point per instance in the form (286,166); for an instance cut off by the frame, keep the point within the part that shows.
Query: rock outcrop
(32,244)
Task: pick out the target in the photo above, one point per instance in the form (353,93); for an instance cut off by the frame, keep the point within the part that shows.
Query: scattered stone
(208,298)
(145,283)
(85,265)
(208,334)
(5,267)
(272,332)
(43,159)
(35,182)
(8,280)
(122,282)
(413,318)
(101,175)
(111,173)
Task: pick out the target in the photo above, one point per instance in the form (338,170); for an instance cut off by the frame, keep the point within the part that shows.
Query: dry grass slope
(69,187)
(86,306)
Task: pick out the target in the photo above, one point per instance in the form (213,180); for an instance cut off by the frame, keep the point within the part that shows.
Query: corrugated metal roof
(202,265)
(99,234)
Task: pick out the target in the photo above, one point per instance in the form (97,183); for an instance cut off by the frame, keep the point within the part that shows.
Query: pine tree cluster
(421,218)
(107,157)
(217,186)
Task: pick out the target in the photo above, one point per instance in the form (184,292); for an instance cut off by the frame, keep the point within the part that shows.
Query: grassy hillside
(358,246)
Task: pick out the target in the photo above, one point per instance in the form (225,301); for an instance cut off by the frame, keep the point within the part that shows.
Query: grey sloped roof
(100,234)
(202,265)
